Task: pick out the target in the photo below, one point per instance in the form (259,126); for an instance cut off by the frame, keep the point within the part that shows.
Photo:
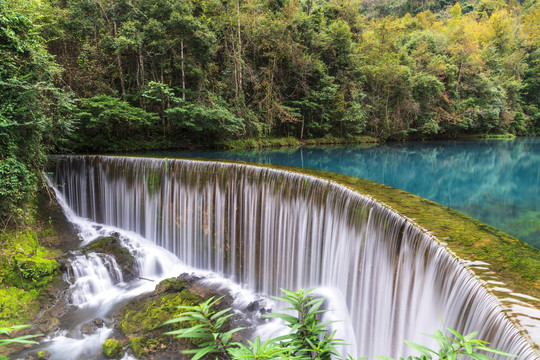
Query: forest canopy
(124,75)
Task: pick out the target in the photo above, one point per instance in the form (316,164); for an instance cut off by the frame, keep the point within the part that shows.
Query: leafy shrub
(105,123)
(308,338)
(205,124)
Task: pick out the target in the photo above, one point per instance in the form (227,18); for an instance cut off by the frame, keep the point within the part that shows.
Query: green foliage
(308,338)
(24,339)
(105,123)
(33,112)
(260,143)
(205,124)
(452,348)
(17,184)
(209,328)
(159,74)
(260,350)
(25,269)
(112,349)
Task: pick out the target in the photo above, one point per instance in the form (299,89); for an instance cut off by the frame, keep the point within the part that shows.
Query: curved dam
(269,229)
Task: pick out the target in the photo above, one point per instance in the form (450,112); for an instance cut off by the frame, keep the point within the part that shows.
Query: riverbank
(262,143)
(278,142)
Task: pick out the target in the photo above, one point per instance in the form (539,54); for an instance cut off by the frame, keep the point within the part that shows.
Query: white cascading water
(97,286)
(269,229)
(92,277)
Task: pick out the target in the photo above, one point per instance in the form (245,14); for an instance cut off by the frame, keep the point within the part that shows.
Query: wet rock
(53,307)
(91,327)
(253,306)
(139,323)
(112,246)
(40,355)
(258,306)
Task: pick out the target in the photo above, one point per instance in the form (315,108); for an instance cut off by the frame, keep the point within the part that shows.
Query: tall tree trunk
(141,72)
(119,61)
(239,59)
(183,73)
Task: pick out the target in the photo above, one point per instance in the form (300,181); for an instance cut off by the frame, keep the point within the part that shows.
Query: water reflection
(496,181)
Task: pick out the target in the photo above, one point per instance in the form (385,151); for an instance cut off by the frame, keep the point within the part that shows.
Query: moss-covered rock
(112,246)
(143,318)
(112,349)
(26,268)
(43,355)
(24,263)
(139,323)
(138,345)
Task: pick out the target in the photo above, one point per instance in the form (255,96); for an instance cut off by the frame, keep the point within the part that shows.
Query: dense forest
(121,75)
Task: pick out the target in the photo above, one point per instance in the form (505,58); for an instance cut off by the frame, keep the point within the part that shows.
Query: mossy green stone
(142,322)
(112,349)
(154,313)
(142,345)
(43,354)
(26,268)
(138,346)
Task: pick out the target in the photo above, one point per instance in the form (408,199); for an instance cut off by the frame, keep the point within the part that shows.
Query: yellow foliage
(531,27)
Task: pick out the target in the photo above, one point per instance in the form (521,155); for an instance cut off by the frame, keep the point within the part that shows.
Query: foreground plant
(308,337)
(452,349)
(210,328)
(19,339)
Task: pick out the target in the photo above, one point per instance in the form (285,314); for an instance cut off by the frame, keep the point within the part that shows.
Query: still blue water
(495,181)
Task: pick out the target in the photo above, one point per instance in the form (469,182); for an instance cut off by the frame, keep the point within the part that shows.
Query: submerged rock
(138,324)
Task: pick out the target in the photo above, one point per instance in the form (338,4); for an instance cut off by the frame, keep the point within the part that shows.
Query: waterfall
(268,229)
(97,287)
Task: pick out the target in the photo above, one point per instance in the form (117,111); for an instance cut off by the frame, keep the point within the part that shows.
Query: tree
(34,113)
(105,123)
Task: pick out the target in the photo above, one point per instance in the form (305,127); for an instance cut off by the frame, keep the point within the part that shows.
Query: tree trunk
(119,61)
(141,73)
(239,48)
(183,73)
